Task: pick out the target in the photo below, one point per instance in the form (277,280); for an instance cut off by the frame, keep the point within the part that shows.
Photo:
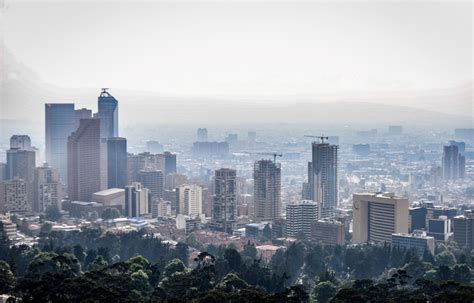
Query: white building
(14,196)
(190,200)
(418,241)
(136,200)
(300,217)
(377,216)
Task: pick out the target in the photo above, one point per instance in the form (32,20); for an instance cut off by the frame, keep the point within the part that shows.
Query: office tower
(135,163)
(60,122)
(104,174)
(47,189)
(417,218)
(224,209)
(202,135)
(3,171)
(20,142)
(376,216)
(83,153)
(79,114)
(175,180)
(267,190)
(300,218)
(454,164)
(190,200)
(116,162)
(460,144)
(14,196)
(210,149)
(137,200)
(323,177)
(170,163)
(463,227)
(21,164)
(440,228)
(395,130)
(328,232)
(108,114)
(154,181)
(154,147)
(420,242)
(306,191)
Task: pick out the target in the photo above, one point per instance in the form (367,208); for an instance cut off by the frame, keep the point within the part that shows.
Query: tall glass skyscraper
(108,114)
(116,162)
(59,125)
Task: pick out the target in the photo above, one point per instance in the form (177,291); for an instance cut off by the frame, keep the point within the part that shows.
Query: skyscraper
(267,190)
(190,200)
(59,125)
(14,196)
(300,218)
(170,163)
(79,114)
(47,188)
(20,142)
(378,216)
(463,227)
(84,161)
(116,162)
(21,164)
(137,200)
(108,114)
(323,177)
(454,164)
(154,181)
(202,135)
(224,212)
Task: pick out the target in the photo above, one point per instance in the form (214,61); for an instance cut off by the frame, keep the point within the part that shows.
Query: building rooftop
(110,191)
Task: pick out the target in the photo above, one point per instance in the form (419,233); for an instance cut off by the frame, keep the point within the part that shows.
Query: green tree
(324,291)
(461,273)
(52,213)
(7,278)
(110,213)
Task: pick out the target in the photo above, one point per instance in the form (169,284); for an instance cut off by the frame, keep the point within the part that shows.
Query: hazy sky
(244,47)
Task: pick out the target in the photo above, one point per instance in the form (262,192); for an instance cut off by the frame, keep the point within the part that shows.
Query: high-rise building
(417,218)
(154,181)
(224,210)
(108,114)
(440,228)
(202,135)
(14,196)
(267,190)
(60,123)
(323,177)
(300,218)
(21,164)
(376,216)
(420,242)
(47,189)
(170,163)
(210,149)
(328,232)
(154,147)
(20,142)
(3,171)
(190,200)
(454,164)
(137,200)
(79,114)
(116,162)
(463,227)
(84,161)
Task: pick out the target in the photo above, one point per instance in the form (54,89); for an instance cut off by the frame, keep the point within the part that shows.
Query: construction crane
(275,155)
(322,137)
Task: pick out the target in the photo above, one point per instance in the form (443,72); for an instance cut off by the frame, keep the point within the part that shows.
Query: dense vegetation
(93,266)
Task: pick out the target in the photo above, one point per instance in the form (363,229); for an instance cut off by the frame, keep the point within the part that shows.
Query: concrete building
(300,218)
(14,196)
(190,200)
(202,135)
(137,200)
(328,232)
(323,178)
(47,189)
(21,164)
(79,114)
(454,164)
(110,197)
(267,190)
(170,163)
(154,181)
(84,161)
(210,149)
(417,216)
(376,216)
(3,171)
(20,142)
(59,125)
(440,228)
(463,228)
(116,162)
(108,114)
(418,241)
(224,209)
